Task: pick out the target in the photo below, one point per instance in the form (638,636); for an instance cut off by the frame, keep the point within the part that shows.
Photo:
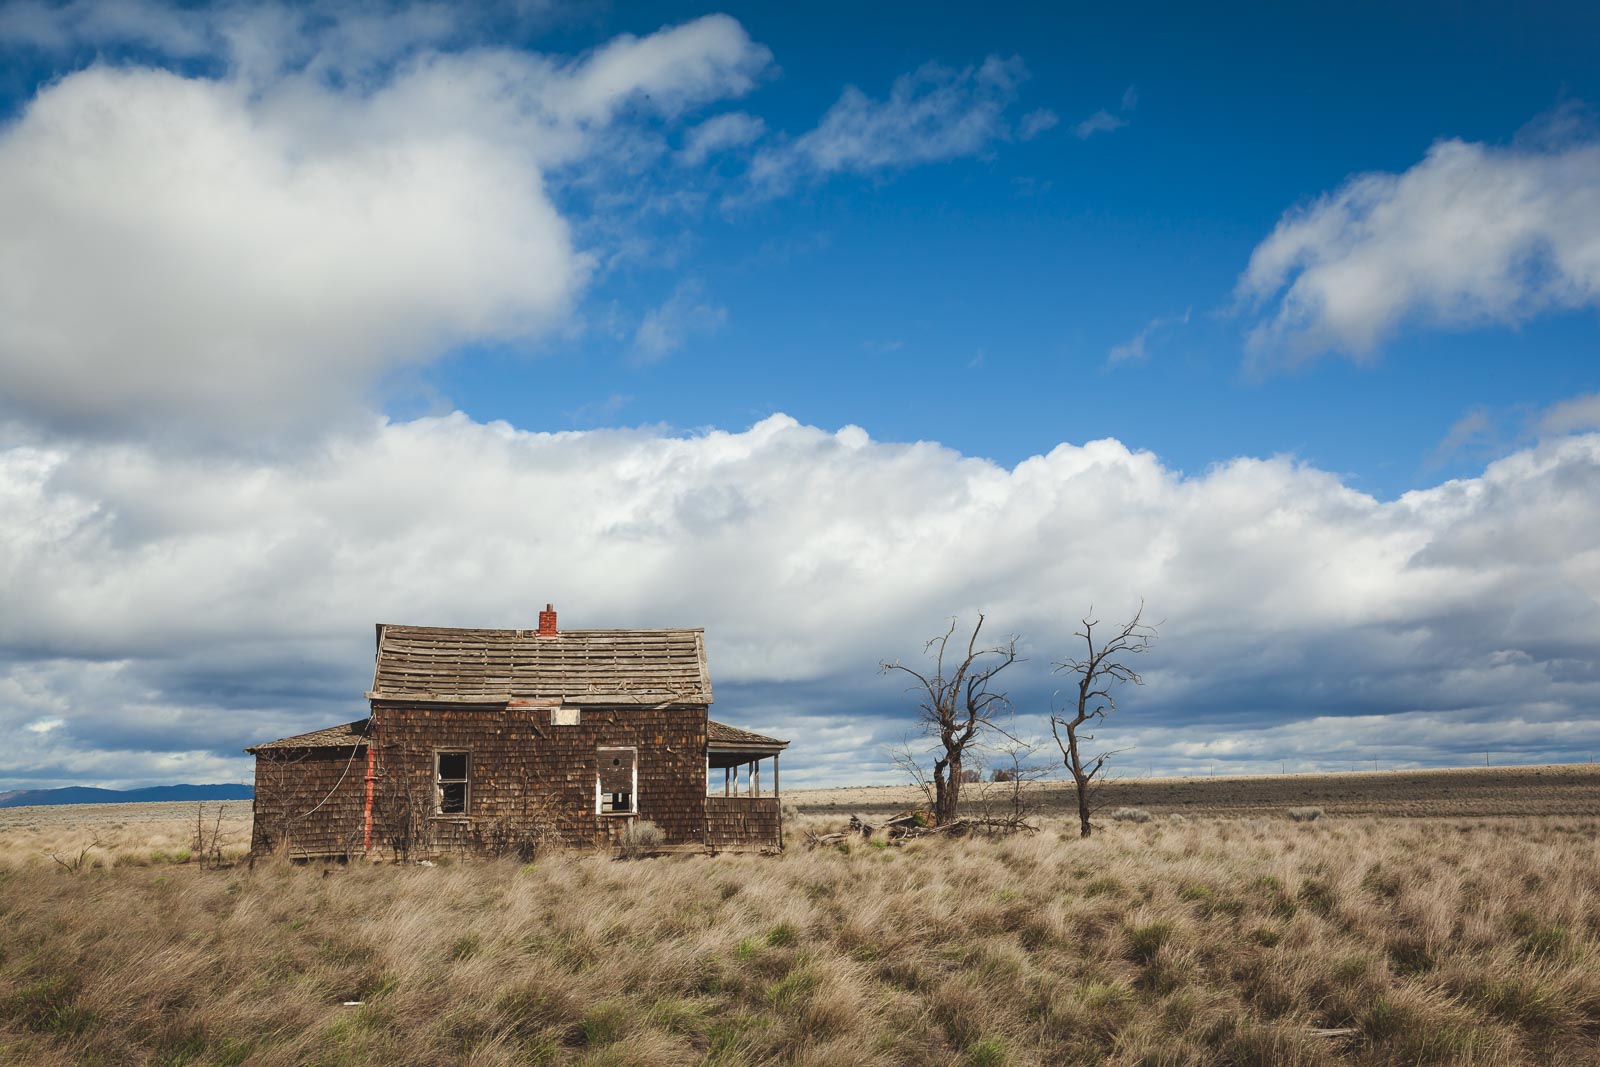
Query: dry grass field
(1248,940)
(1563,789)
(118,834)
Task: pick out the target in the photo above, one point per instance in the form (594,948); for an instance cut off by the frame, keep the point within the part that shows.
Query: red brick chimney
(547,621)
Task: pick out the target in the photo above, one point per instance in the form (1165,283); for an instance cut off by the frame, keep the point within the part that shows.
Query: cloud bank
(163,609)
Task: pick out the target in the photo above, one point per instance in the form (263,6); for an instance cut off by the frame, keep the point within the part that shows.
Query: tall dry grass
(1195,942)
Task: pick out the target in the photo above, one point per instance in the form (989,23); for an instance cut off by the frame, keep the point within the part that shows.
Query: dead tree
(1104,666)
(957,703)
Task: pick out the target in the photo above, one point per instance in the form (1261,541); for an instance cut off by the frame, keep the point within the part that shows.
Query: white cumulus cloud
(254,250)
(1472,234)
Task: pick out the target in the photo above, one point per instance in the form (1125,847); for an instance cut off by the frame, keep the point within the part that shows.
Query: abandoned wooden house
(507,740)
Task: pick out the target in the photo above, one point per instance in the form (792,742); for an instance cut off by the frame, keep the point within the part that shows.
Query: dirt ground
(1562,789)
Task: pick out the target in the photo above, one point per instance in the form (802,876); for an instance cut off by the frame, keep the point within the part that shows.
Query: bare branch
(1103,666)
(959,701)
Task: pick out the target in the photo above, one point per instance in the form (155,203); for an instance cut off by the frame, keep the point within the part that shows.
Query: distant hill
(83,794)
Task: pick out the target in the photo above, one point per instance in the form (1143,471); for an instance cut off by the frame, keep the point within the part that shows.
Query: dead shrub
(640,838)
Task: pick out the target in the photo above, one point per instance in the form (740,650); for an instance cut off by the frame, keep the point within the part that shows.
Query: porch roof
(729,746)
(720,735)
(341,736)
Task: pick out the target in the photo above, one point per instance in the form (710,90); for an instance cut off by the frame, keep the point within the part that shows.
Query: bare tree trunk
(1080,780)
(1084,829)
(952,794)
(944,786)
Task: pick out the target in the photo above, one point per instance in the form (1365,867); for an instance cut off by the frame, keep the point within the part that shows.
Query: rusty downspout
(372,776)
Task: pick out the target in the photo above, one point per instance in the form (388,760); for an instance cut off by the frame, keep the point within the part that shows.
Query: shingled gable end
(506,740)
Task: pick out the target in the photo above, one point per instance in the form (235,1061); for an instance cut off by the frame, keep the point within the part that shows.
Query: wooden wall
(528,773)
(290,783)
(742,822)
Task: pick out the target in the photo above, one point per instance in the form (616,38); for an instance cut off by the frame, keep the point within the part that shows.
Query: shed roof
(719,734)
(343,736)
(610,666)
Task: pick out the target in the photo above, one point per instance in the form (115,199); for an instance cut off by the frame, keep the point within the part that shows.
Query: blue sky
(813,327)
(1035,259)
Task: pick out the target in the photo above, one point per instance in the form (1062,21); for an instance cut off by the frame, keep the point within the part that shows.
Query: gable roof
(342,736)
(720,734)
(578,666)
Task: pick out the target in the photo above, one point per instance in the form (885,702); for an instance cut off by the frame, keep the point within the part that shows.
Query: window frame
(439,782)
(600,801)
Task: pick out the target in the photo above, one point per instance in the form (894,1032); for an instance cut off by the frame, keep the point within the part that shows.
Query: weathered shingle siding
(735,822)
(525,770)
(290,786)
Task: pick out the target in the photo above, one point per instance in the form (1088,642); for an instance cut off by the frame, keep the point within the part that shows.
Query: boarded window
(452,771)
(563,716)
(617,781)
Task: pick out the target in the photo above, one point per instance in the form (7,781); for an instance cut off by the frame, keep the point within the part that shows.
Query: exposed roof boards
(577,666)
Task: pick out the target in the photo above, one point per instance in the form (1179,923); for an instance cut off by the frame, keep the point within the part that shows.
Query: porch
(742,813)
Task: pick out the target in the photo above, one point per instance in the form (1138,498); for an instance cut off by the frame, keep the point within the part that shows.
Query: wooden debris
(907,821)
(911,825)
(962,827)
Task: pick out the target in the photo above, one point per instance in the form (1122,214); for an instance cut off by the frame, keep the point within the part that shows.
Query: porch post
(755,777)
(727,781)
(778,799)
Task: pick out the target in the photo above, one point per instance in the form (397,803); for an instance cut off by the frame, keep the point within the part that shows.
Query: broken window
(451,770)
(617,783)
